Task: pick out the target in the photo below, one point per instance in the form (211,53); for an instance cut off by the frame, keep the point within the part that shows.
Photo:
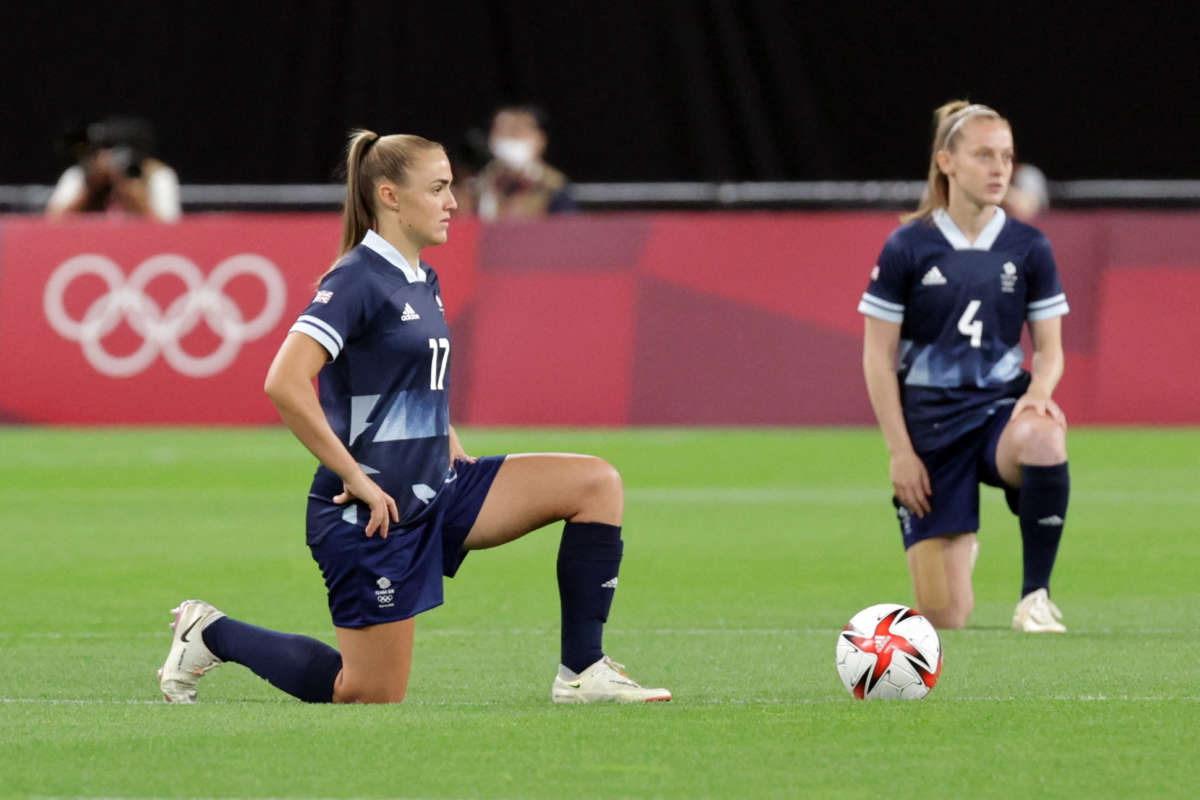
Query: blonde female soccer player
(942,357)
(396,502)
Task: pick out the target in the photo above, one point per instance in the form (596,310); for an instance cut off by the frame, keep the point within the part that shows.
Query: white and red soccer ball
(889,652)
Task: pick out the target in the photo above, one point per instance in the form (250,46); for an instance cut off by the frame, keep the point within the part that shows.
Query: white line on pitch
(466,632)
(700,494)
(856,495)
(737,701)
(173,797)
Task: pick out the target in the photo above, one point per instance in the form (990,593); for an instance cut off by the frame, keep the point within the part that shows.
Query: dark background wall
(696,90)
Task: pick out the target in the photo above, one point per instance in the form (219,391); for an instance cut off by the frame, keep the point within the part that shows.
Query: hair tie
(369,145)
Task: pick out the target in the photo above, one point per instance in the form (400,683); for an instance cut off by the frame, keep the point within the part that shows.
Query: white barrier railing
(698,194)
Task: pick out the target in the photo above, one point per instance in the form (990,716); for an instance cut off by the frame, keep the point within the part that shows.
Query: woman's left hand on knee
(1042,405)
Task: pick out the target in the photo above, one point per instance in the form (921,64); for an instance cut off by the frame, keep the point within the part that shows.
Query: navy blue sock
(299,665)
(589,558)
(1042,510)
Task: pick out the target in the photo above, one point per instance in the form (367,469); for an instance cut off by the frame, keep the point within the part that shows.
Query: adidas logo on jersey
(408,314)
(611,583)
(933,278)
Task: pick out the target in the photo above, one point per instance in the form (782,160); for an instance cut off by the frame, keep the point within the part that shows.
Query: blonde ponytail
(358,214)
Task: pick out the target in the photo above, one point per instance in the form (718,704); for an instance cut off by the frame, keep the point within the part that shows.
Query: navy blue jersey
(961,307)
(385,387)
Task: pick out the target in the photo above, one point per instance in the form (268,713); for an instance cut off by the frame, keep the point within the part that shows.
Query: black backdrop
(697,90)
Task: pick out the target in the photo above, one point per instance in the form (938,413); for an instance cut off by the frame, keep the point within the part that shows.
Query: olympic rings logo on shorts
(163,329)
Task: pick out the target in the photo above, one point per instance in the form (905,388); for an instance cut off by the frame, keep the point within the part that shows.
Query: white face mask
(515,153)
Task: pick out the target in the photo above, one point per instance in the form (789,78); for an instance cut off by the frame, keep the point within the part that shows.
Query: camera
(127,161)
(126,140)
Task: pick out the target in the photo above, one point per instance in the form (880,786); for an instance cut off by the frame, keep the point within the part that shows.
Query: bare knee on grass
(941,577)
(945,619)
(351,692)
(376,662)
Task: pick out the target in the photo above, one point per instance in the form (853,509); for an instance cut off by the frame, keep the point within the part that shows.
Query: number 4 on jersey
(437,375)
(967,324)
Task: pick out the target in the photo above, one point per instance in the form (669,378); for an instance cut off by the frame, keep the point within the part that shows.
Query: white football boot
(1036,613)
(189,657)
(604,681)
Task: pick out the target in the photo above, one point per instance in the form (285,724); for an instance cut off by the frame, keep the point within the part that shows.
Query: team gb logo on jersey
(1008,278)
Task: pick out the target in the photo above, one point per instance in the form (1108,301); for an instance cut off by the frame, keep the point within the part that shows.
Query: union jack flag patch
(323,296)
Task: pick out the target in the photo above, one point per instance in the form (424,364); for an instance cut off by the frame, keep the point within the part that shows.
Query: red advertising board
(737,318)
(109,321)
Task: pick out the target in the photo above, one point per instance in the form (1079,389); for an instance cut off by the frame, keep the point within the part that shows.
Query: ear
(943,158)
(385,193)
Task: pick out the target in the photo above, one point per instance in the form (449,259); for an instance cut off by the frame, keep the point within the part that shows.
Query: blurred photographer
(1028,193)
(517,183)
(115,173)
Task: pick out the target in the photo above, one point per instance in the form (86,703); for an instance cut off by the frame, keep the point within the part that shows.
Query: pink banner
(736,318)
(106,321)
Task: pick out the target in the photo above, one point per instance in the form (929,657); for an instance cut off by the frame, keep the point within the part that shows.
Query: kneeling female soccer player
(943,362)
(396,503)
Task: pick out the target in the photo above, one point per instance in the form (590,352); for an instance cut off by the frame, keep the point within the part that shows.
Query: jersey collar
(384,248)
(986,238)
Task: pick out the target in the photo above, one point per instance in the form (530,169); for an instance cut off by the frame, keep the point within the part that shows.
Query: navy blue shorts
(375,580)
(955,472)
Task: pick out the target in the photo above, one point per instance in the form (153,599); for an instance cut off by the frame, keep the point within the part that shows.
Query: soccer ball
(889,652)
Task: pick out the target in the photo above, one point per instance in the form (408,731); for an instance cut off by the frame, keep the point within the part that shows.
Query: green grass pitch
(746,552)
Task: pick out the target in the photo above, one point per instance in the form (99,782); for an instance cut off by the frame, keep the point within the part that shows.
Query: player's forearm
(300,410)
(884,392)
(1047,370)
